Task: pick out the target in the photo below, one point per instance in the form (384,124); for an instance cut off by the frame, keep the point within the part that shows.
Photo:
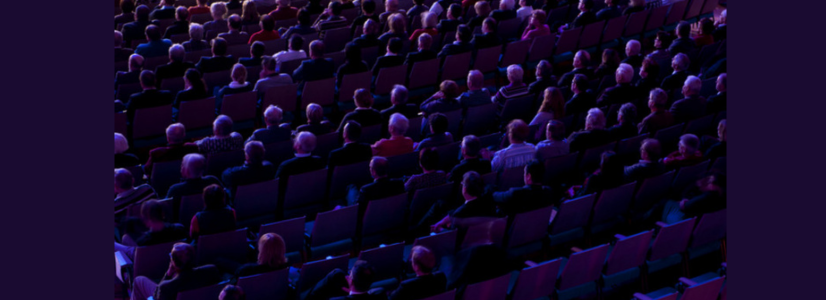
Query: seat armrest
(619,236)
(575,249)
(661,224)
(530,263)
(687,282)
(641,296)
(123,267)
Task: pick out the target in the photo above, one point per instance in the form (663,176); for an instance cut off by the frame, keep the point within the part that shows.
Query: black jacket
(420,287)
(215,64)
(524,199)
(349,154)
(314,69)
(172,70)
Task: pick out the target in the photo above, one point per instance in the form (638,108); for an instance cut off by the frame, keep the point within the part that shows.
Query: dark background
(57,117)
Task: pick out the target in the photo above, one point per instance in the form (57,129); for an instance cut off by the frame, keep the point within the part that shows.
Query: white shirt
(524,12)
(287,55)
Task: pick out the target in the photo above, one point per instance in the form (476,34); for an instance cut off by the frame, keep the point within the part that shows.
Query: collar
(235,85)
(303,154)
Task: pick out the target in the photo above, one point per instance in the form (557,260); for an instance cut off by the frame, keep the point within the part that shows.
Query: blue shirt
(154,48)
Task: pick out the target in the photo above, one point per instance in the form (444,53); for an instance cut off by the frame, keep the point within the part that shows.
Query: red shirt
(196,10)
(431,31)
(284,13)
(391,147)
(264,36)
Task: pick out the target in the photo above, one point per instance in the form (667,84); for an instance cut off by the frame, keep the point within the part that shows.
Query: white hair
(196,31)
(193,164)
(692,84)
(723,16)
(399,94)
(121,145)
(177,52)
(429,19)
(218,9)
(515,73)
(508,4)
(175,133)
(305,141)
(680,61)
(475,78)
(398,124)
(272,115)
(625,73)
(595,119)
(632,48)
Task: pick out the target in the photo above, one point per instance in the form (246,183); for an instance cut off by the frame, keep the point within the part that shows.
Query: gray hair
(193,165)
(315,112)
(595,119)
(690,141)
(135,62)
(175,133)
(515,73)
(123,179)
(121,145)
(625,73)
(177,52)
(305,141)
(475,78)
(254,151)
(273,115)
(509,4)
(399,94)
(628,111)
(118,39)
(218,9)
(692,85)
(632,48)
(680,62)
(658,97)
(196,31)
(398,124)
(222,125)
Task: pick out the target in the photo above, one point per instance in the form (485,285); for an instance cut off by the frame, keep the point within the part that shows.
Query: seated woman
(216,217)
(431,175)
(196,38)
(123,159)
(315,121)
(552,108)
(444,100)
(194,89)
(238,85)
(429,22)
(271,256)
(537,26)
(397,143)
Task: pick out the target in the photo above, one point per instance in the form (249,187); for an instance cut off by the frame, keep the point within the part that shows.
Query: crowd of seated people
(652,84)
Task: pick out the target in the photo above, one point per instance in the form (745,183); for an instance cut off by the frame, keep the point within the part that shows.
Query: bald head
(175,134)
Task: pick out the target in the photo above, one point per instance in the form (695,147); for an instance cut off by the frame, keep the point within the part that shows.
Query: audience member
(148,97)
(135,65)
(593,135)
(429,22)
(180,276)
(200,7)
(649,77)
(660,117)
(194,89)
(305,24)
(355,286)
(157,230)
(364,114)
(175,148)
(331,17)
(471,160)
(218,24)
(382,186)
(368,10)
(391,58)
(552,108)
(352,151)
(223,138)
(176,67)
(611,10)
(316,68)
(555,143)
(506,11)
(121,53)
(315,121)
(718,149)
(398,101)
(519,152)
(439,136)
(424,53)
(537,26)
(267,31)
(270,77)
(216,217)
(525,9)
(649,164)
(370,35)
(705,34)
(683,43)
(164,11)
(254,170)
(256,55)
(674,81)
(239,84)
(181,25)
(397,143)
(426,283)
(626,127)
(196,40)
(476,204)
(691,107)
(272,253)
(304,161)
(193,167)
(608,66)
(476,94)
(483,10)
(634,6)
(353,64)
(123,159)
(135,30)
(609,175)
(452,20)
(442,101)
(488,38)
(583,98)
(283,11)
(623,92)
(127,12)
(688,153)
(530,197)
(707,196)
(660,53)
(219,61)
(431,176)
(717,102)
(581,61)
(586,15)
(633,54)
(293,52)
(544,78)
(126,193)
(516,87)
(274,132)
(462,43)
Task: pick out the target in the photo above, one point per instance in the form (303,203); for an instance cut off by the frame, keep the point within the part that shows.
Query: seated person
(218,24)
(148,97)
(483,10)
(515,88)
(683,43)
(555,144)
(223,138)
(471,160)
(693,106)
(235,36)
(544,77)
(625,128)
(352,151)
(398,29)
(431,176)
(216,217)
(181,276)
(688,153)
(316,68)
(624,91)
(718,149)
(679,64)
(194,89)
(519,152)
(364,114)
(238,85)
(267,32)
(293,52)
(175,149)
(353,64)
(219,61)
(453,19)
(530,197)
(397,143)
(304,161)
(133,76)
(304,26)
(439,136)
(649,165)
(315,121)
(271,256)
(717,102)
(158,231)
(125,191)
(426,283)
(537,26)
(196,40)
(256,53)
(283,11)
(660,117)
(368,12)
(611,10)
(649,75)
(269,78)
(707,196)
(609,175)
(274,132)
(442,101)
(633,55)
(331,17)
(476,94)
(181,25)
(370,35)
(381,187)
(608,67)
(462,44)
(123,159)
(586,15)
(476,203)
(594,134)
(429,21)
(232,292)
(254,170)
(398,101)
(581,61)
(552,108)
(583,98)
(156,45)
(506,11)
(423,54)
(339,286)
(391,58)
(176,67)
(193,167)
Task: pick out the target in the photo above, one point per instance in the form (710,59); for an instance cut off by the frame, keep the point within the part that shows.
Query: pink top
(391,147)
(539,31)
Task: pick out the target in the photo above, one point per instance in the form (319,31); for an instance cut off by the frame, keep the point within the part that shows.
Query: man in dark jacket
(352,151)
(426,283)
(530,197)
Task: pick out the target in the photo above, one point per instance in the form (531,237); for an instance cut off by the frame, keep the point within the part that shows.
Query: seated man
(368,12)
(488,38)
(476,94)
(624,91)
(293,52)
(717,102)
(515,89)
(256,54)
(339,286)
(633,54)
(219,61)
(626,128)
(594,134)
(555,144)
(530,197)
(370,35)
(391,58)
(610,11)
(235,36)
(693,106)
(254,170)
(364,113)
(544,77)
(649,165)
(426,283)
(679,64)
(275,131)
(462,44)
(683,43)
(175,150)
(398,99)
(439,135)
(193,167)
(223,138)
(180,276)
(135,65)
(707,196)
(397,143)
(304,161)
(176,66)
(506,11)
(331,17)
(581,61)
(135,30)
(381,187)
(476,203)
(156,45)
(165,11)
(471,160)
(148,97)
(283,11)
(316,68)
(216,217)
(431,176)
(583,98)
(159,231)
(267,32)
(452,20)
(424,53)
(352,151)
(719,148)
(270,77)
(125,191)
(519,152)
(688,153)
(660,117)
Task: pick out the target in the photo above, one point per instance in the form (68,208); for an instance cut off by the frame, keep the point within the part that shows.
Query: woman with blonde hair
(429,22)
(238,85)
(552,108)
(272,256)
(398,29)
(249,14)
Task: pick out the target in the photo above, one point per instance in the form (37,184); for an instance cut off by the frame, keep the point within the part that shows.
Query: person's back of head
(586,5)
(683,29)
(317,49)
(610,58)
(305,142)
(689,143)
(296,42)
(196,31)
(692,86)
(397,23)
(315,113)
(152,211)
(118,39)
(595,120)
(429,159)
(219,47)
(175,134)
(472,184)
(363,98)
(183,256)
(335,8)
(555,130)
(370,27)
(272,250)
(239,73)
(352,131)
(650,69)
(475,80)
(123,180)
(544,69)
(218,10)
(464,33)
(627,112)
(142,13)
(378,167)
(534,173)
(153,33)
(268,63)
(651,150)
(515,74)
(361,276)
(257,49)
(632,48)
(273,115)
(177,53)
(624,73)
(489,25)
(471,145)
(658,99)
(368,7)
(352,53)
(455,11)
(395,45)
(398,96)
(429,19)
(507,4)
(304,17)
(580,82)
(518,131)
(482,8)
(222,126)
(193,76)
(147,79)
(127,6)
(680,62)
(438,123)
(721,130)
(422,259)
(232,292)
(721,82)
(398,124)
(121,144)
(214,197)
(582,59)
(254,152)
(135,62)
(181,13)
(450,89)
(267,23)
(425,41)
(706,26)
(234,22)
(193,165)
(610,164)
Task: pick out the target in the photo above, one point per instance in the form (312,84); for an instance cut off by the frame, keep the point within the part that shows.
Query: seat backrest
(388,77)
(671,239)
(613,30)
(242,50)
(152,261)
(512,177)
(321,92)
(652,190)
(334,225)
(297,193)
(630,147)
(591,34)
(152,121)
(558,168)
(483,231)
(689,174)
(508,29)
(384,214)
(572,214)
(515,53)
(537,281)
(517,108)
(217,79)
(278,152)
(670,135)
(541,47)
(478,119)
(270,285)
(424,73)
(636,23)
(675,14)
(197,114)
(710,228)
(289,66)
(120,123)
(256,199)
(568,40)
(207,292)
(313,272)
(189,206)
(386,260)
(491,289)
(371,134)
(456,66)
(592,157)
(706,290)
(240,107)
(292,231)
(164,175)
(613,202)
(449,154)
(230,245)
(218,162)
(449,295)
(441,244)
(357,174)
(403,164)
(335,39)
(274,46)
(657,18)
(370,54)
(326,143)
(424,198)
(352,82)
(583,267)
(487,58)
(628,252)
(529,227)
(284,96)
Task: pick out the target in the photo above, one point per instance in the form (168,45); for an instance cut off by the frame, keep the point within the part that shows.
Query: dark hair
(142,13)
(233,292)
(219,46)
(304,17)
(317,48)
(429,159)
(182,13)
(352,53)
(418,2)
(581,82)
(455,10)
(665,38)
(257,49)
(235,22)
(380,166)
(214,197)
(472,145)
(395,45)
(267,23)
(610,58)
(706,26)
(464,33)
(296,42)
(353,130)
(153,32)
(545,68)
(557,129)
(473,183)
(362,274)
(127,6)
(652,148)
(152,210)
(368,6)
(683,29)
(536,169)
(336,8)
(147,78)
(518,130)
(651,67)
(183,255)
(438,123)
(268,62)
(490,23)
(589,4)
(628,111)
(610,164)
(195,79)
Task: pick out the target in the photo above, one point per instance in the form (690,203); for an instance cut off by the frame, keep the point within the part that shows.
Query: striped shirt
(212,145)
(508,92)
(515,155)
